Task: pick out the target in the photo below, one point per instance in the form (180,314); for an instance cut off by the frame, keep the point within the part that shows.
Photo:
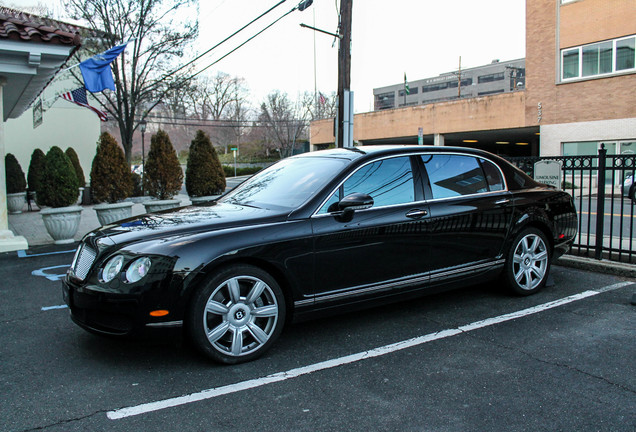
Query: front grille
(83,262)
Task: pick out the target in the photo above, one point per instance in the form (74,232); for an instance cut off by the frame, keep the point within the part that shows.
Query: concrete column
(8,241)
(438,139)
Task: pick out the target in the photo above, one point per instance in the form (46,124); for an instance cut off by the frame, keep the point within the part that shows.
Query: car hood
(186,221)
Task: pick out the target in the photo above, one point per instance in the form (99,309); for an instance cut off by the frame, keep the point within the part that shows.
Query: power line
(184,121)
(229,37)
(245,42)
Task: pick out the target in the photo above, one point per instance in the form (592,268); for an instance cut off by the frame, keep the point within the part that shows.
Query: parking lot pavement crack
(555,363)
(64,422)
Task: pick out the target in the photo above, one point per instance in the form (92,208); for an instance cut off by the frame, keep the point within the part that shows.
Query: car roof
(352,153)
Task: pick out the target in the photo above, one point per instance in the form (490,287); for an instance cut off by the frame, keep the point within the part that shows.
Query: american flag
(78,96)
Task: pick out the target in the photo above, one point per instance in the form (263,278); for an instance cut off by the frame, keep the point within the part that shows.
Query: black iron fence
(603,188)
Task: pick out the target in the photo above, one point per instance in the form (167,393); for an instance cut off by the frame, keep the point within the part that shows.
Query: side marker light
(159,313)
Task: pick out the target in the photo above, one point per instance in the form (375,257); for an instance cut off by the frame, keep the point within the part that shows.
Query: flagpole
(315,76)
(404,88)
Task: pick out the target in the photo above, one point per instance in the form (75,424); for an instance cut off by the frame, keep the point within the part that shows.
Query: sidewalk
(29,224)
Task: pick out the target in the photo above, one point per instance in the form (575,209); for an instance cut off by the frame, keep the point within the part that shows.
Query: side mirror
(356,201)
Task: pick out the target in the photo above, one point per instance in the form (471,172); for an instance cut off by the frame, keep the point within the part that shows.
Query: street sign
(549,172)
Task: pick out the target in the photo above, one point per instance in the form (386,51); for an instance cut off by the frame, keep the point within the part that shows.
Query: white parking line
(387,349)
(48,308)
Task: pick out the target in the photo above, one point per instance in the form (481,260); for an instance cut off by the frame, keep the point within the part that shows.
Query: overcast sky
(421,38)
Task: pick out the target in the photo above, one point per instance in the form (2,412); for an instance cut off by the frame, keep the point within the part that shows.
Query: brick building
(581,75)
(580,71)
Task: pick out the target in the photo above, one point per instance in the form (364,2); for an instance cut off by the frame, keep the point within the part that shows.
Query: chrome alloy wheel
(240,316)
(530,262)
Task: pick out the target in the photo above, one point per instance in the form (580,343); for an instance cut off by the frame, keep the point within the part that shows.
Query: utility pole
(459,79)
(344,72)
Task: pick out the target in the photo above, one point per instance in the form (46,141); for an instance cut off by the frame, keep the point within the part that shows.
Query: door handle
(502,202)
(416,213)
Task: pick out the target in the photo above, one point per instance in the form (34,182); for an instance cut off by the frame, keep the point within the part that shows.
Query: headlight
(112,268)
(138,269)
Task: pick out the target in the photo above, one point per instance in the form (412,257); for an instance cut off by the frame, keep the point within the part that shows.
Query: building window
(490,92)
(571,64)
(385,101)
(412,91)
(434,87)
(625,53)
(598,59)
(490,78)
(465,82)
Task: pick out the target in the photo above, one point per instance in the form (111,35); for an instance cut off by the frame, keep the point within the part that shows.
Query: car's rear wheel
(528,262)
(237,314)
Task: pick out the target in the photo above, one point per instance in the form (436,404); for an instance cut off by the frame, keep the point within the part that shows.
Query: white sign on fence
(549,172)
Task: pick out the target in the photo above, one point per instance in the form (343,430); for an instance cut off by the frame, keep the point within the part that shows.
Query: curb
(599,266)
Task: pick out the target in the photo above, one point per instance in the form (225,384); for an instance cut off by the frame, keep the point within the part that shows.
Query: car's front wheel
(528,262)
(237,314)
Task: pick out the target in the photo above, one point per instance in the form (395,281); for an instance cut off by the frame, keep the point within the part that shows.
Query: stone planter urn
(80,198)
(62,223)
(158,205)
(203,199)
(109,213)
(15,202)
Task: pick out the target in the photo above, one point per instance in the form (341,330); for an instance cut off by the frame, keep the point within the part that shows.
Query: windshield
(287,184)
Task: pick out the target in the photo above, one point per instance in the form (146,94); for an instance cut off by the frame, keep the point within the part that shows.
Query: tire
(237,314)
(528,262)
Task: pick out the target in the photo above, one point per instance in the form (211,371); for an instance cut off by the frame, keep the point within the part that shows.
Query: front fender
(280,248)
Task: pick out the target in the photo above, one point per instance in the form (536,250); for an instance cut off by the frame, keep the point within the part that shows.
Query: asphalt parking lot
(469,360)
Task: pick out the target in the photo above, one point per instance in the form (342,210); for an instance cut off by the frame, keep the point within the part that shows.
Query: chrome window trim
(315,214)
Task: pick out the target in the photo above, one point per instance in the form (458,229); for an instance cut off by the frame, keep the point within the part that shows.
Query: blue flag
(96,70)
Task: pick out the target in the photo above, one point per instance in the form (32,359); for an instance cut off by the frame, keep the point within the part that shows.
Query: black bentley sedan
(318,232)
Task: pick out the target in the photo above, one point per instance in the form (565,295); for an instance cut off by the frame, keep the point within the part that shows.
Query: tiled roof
(21,26)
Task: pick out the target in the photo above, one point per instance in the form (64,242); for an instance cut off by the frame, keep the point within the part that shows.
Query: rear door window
(493,175)
(454,175)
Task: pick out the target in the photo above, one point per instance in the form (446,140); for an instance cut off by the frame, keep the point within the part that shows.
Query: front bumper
(122,313)
(104,313)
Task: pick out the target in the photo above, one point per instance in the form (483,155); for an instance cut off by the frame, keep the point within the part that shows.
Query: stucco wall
(64,125)
(606,130)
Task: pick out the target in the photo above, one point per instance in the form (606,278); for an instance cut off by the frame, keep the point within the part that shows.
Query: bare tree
(213,96)
(286,121)
(325,106)
(146,72)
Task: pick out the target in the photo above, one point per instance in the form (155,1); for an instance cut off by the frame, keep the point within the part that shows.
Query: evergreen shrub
(15,176)
(204,174)
(110,174)
(163,176)
(70,153)
(36,170)
(59,185)
(136,182)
